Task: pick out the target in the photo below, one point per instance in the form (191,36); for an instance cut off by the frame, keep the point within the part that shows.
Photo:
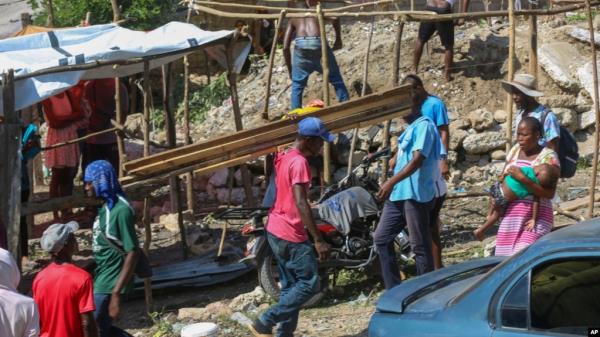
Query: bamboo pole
(360,6)
(363,92)
(118,133)
(511,73)
(395,81)
(80,139)
(326,97)
(588,8)
(265,114)
(533,42)
(50,9)
(146,211)
(189,177)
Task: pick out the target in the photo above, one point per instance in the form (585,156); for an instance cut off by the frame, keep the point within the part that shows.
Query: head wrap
(9,272)
(104,179)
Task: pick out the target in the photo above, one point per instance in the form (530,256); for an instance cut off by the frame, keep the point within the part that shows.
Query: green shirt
(519,189)
(117,225)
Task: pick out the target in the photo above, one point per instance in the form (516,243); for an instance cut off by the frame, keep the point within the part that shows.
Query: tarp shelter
(48,63)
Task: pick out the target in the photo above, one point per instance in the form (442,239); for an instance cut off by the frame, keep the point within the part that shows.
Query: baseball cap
(55,236)
(314,127)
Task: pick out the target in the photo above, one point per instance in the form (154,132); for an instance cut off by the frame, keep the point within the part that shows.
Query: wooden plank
(165,163)
(368,102)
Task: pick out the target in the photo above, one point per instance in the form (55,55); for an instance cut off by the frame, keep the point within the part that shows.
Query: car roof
(586,231)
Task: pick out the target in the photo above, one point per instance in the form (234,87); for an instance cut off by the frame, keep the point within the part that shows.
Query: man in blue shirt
(435,109)
(409,194)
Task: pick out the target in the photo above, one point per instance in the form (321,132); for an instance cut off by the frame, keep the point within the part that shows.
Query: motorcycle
(346,214)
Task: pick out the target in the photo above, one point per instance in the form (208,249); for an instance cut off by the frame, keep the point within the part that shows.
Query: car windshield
(489,274)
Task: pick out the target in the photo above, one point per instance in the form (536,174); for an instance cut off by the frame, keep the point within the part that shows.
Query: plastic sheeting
(86,45)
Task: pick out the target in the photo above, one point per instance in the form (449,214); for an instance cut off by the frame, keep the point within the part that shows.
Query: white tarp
(86,45)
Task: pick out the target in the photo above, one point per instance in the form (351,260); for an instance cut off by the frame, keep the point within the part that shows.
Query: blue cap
(314,127)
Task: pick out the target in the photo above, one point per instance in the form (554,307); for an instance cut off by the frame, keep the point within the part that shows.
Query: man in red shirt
(63,291)
(286,231)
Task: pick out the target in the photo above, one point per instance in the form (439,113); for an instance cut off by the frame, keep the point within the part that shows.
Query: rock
(219,178)
(500,116)
(456,138)
(238,194)
(481,119)
(455,177)
(253,298)
(170,222)
(484,160)
(193,313)
(583,35)
(498,155)
(582,103)
(459,124)
(586,78)
(472,158)
(560,60)
(452,157)
(134,124)
(586,119)
(556,101)
(483,142)
(211,311)
(566,117)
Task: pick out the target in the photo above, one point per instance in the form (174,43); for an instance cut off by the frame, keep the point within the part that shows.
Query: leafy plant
(163,327)
(205,98)
(579,16)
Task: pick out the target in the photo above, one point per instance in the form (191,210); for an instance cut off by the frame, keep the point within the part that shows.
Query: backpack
(568,151)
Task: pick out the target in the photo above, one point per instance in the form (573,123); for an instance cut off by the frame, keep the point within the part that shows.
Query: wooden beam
(189,177)
(146,211)
(119,134)
(265,114)
(588,10)
(533,43)
(511,74)
(80,139)
(326,97)
(10,167)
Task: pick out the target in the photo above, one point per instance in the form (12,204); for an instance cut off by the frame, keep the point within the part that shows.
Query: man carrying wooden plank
(286,234)
(307,56)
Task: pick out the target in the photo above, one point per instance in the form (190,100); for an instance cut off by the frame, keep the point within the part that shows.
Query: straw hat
(525,83)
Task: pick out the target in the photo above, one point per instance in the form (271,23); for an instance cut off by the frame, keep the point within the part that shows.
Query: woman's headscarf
(9,272)
(104,179)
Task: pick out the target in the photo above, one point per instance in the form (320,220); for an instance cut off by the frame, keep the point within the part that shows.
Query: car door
(557,295)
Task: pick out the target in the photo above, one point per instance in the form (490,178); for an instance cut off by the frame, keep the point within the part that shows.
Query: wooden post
(237,117)
(174,183)
(363,92)
(511,72)
(533,42)
(118,133)
(116,10)
(10,167)
(146,212)
(265,114)
(395,80)
(326,97)
(25,19)
(189,177)
(590,212)
(50,9)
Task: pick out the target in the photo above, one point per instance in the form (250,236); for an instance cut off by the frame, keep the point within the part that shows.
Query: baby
(509,189)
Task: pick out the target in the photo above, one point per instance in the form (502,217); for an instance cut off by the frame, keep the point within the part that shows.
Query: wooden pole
(10,167)
(146,212)
(237,117)
(395,80)
(116,10)
(118,133)
(533,42)
(363,92)
(174,183)
(511,73)
(50,9)
(588,8)
(326,97)
(189,177)
(265,114)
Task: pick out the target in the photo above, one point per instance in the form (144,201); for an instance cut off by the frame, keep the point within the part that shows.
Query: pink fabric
(512,236)
(64,156)
(284,222)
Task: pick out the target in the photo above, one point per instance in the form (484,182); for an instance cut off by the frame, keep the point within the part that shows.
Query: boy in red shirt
(286,231)
(63,291)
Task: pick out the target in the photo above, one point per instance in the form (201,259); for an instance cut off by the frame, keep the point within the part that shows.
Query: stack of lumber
(243,146)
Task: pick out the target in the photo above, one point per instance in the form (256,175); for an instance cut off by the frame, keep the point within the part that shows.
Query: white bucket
(204,329)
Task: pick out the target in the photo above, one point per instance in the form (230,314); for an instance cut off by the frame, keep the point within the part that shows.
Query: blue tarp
(109,42)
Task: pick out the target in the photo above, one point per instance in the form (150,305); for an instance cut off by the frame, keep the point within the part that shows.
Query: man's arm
(337,27)
(287,42)
(553,144)
(415,163)
(124,277)
(88,323)
(444,132)
(301,200)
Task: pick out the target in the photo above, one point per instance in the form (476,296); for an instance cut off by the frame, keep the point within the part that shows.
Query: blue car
(551,288)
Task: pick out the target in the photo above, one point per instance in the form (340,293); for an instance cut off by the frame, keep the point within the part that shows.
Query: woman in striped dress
(512,234)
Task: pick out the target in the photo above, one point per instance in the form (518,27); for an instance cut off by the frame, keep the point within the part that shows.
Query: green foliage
(157,119)
(579,16)
(583,162)
(163,328)
(141,14)
(205,98)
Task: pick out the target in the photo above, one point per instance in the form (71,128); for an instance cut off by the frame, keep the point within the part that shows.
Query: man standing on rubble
(286,232)
(307,55)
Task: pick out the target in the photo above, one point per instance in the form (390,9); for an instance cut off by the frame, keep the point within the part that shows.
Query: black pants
(396,215)
(445,29)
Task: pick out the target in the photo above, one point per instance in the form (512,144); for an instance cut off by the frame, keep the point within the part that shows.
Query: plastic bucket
(204,329)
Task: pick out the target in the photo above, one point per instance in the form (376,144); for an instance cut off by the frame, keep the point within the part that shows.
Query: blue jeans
(306,60)
(396,215)
(103,320)
(299,278)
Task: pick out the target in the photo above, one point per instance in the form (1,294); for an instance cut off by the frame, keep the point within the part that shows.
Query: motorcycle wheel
(268,278)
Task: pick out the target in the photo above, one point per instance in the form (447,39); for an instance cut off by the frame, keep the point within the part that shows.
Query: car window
(565,296)
(514,308)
